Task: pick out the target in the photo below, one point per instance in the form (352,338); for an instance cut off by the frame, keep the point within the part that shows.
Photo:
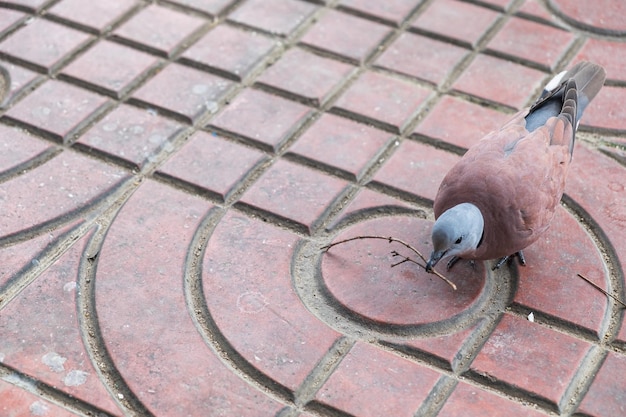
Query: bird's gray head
(456,232)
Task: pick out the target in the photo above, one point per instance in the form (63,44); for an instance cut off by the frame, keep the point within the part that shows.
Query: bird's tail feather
(588,78)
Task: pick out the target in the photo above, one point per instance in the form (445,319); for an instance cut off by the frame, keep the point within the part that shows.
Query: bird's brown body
(516,179)
(502,195)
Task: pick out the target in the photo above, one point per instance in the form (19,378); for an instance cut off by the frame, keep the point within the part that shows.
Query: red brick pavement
(169,171)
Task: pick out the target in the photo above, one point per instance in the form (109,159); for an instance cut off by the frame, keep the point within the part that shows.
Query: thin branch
(394,253)
(603,291)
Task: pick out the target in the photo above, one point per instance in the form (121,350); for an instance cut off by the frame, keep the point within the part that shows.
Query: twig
(603,291)
(394,253)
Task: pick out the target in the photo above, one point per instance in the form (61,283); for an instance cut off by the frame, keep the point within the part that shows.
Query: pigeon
(503,193)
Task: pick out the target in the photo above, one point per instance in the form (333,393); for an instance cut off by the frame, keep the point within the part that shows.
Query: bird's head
(456,232)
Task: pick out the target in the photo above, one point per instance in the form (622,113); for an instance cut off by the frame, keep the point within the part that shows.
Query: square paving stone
(463,22)
(280,17)
(369,381)
(306,75)
(534,42)
(390,101)
(57,108)
(130,134)
(263,119)
(293,192)
(32,5)
(531,357)
(499,81)
(346,36)
(234,51)
(184,91)
(211,7)
(9,19)
(607,394)
(111,68)
(470,401)
(460,122)
(609,54)
(97,16)
(212,164)
(390,11)
(14,399)
(421,57)
(43,43)
(159,29)
(416,169)
(340,143)
(607,110)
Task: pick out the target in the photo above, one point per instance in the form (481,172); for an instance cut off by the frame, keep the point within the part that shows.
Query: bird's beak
(434,258)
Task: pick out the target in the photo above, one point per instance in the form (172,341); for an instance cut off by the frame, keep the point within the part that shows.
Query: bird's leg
(452,261)
(520,258)
(455,259)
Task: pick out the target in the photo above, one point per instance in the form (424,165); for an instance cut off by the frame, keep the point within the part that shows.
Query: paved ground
(169,171)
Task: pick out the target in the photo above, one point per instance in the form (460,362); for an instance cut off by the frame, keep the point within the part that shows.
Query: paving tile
(211,7)
(549,281)
(605,53)
(234,51)
(340,143)
(15,402)
(607,395)
(446,347)
(500,81)
(280,17)
(534,9)
(111,68)
(470,401)
(345,35)
(58,45)
(535,42)
(458,20)
(360,277)
(57,188)
(95,16)
(606,111)
(253,301)
(531,357)
(367,202)
(460,122)
(49,346)
(606,19)
(368,382)
(32,5)
(57,108)
(499,4)
(294,192)
(212,164)
(261,118)
(131,134)
(21,80)
(9,19)
(184,91)
(421,57)
(384,99)
(416,168)
(159,29)
(18,147)
(144,318)
(391,11)
(308,76)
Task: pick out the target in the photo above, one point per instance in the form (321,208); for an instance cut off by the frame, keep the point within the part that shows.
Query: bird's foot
(455,259)
(520,259)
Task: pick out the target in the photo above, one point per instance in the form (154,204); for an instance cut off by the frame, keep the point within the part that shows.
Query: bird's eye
(459,240)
